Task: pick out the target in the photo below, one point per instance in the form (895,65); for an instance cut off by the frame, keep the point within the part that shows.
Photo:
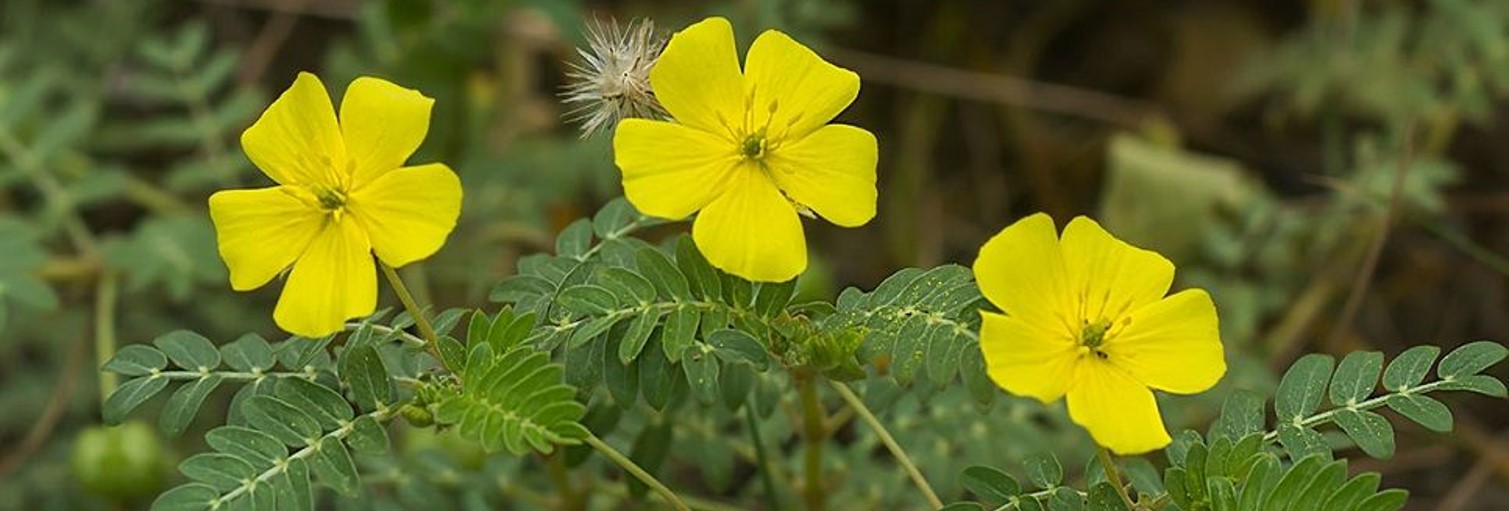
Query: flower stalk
(634,469)
(890,443)
(1114,476)
(814,435)
(426,330)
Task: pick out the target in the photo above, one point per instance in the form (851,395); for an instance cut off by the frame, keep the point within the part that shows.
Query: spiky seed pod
(612,81)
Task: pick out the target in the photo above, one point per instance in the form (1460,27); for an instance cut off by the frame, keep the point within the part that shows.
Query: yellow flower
(748,149)
(343,194)
(1086,316)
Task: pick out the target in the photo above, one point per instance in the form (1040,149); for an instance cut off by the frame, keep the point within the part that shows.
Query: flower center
(753,147)
(1093,335)
(331,199)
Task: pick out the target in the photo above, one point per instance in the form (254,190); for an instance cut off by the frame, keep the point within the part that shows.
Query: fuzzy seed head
(612,81)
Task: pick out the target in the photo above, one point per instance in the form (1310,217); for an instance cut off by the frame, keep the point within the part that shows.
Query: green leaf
(737,346)
(657,377)
(990,483)
(701,372)
(1223,494)
(1327,479)
(368,436)
(1371,431)
(628,286)
(292,488)
(1356,377)
(679,332)
(1260,480)
(1302,442)
(1409,368)
(1066,499)
(1302,388)
(516,401)
(1353,492)
(136,360)
(452,353)
(1479,383)
(1043,470)
(592,329)
(370,385)
(668,281)
(771,297)
(1386,500)
(962,506)
(634,339)
(189,350)
(575,240)
(184,404)
(1103,497)
(1241,415)
(259,448)
(223,471)
(324,404)
(332,464)
(189,497)
(247,354)
(283,421)
(1286,493)
(1472,358)
(130,395)
(703,280)
(1425,411)
(613,219)
(621,379)
(587,300)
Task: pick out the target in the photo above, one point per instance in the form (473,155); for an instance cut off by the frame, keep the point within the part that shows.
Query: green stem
(104,331)
(432,341)
(633,469)
(772,498)
(814,435)
(1114,475)
(890,443)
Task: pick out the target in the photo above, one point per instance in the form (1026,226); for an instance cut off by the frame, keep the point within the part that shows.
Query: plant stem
(104,331)
(432,341)
(890,443)
(814,435)
(629,466)
(771,497)
(1114,475)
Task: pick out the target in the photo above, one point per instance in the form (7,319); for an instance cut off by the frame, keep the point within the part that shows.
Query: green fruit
(125,463)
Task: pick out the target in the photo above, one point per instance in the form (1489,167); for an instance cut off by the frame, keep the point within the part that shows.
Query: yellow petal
(297,141)
(1119,413)
(382,124)
(1026,360)
(334,280)
(697,78)
(407,213)
(751,230)
(670,170)
(1107,277)
(1021,270)
(261,232)
(831,171)
(794,90)
(1173,344)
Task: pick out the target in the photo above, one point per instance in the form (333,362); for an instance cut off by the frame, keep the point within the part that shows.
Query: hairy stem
(104,331)
(1114,475)
(814,435)
(890,443)
(432,341)
(639,473)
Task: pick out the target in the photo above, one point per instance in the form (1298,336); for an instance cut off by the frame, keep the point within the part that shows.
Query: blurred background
(1336,172)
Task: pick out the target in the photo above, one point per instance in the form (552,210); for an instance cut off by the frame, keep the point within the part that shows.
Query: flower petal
(697,78)
(297,140)
(670,170)
(794,90)
(407,213)
(831,171)
(382,124)
(1109,278)
(1021,270)
(751,230)
(334,280)
(1026,360)
(1120,413)
(260,232)
(1173,344)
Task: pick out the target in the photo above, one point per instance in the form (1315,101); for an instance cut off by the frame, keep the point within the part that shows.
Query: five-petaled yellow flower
(1086,316)
(748,149)
(342,194)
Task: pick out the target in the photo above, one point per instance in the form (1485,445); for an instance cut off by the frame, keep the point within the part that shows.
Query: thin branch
(633,469)
(890,443)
